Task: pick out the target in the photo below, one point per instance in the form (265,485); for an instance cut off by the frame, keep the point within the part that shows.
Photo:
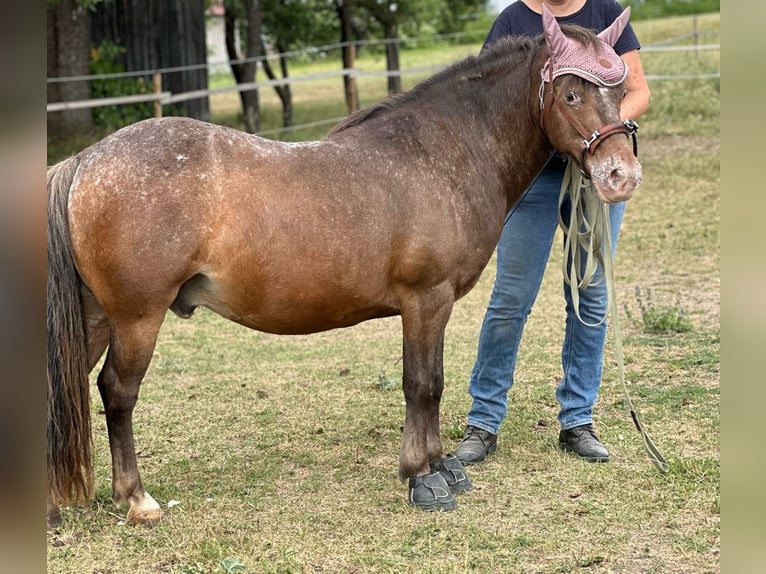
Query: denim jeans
(522,254)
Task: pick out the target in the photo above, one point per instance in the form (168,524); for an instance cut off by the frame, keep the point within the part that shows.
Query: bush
(660,320)
(105,60)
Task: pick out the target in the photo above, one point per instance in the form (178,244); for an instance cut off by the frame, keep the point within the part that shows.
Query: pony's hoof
(430,492)
(148,518)
(144,510)
(54,514)
(54,519)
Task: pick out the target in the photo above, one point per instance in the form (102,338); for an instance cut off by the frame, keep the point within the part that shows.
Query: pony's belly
(287,309)
(299,319)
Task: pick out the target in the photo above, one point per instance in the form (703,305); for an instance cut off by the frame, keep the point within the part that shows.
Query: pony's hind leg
(96,327)
(130,350)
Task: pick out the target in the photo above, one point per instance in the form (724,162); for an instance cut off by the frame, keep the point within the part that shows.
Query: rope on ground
(588,246)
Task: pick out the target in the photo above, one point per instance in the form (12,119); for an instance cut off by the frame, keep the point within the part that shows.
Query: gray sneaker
(584,443)
(476,445)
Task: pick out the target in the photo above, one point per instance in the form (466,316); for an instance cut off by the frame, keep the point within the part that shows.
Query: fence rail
(168,98)
(161,98)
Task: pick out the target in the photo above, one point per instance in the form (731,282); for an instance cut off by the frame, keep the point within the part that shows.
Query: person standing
(522,255)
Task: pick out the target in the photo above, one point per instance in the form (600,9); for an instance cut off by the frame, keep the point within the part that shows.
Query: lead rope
(594,236)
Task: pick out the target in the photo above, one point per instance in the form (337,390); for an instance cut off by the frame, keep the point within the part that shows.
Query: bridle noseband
(592,141)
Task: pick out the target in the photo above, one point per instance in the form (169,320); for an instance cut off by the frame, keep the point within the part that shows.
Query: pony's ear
(554,37)
(614,31)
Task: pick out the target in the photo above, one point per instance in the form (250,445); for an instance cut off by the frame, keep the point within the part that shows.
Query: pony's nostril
(617,177)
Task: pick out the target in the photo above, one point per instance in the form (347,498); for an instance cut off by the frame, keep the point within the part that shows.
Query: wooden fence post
(157,81)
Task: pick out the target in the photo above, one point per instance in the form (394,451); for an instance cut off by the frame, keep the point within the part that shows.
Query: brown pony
(396,212)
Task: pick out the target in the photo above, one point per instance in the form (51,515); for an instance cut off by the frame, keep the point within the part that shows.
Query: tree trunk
(344,9)
(68,55)
(392,58)
(284,92)
(245,72)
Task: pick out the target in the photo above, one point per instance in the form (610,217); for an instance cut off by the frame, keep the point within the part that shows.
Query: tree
(68,55)
(277,26)
(345,11)
(392,15)
(348,53)
(245,16)
(290,25)
(388,14)
(276,19)
(452,15)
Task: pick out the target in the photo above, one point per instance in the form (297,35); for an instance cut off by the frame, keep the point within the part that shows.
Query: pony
(396,212)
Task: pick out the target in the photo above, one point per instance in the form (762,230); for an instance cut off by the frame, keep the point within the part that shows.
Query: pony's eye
(572,97)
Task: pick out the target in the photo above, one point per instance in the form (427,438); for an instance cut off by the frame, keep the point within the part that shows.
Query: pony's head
(580,95)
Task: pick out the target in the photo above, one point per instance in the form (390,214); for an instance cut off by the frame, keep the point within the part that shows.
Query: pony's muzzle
(615,179)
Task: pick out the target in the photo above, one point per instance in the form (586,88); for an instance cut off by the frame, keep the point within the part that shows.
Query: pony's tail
(70,467)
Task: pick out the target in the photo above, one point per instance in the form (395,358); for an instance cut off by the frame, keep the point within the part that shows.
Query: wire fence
(162,98)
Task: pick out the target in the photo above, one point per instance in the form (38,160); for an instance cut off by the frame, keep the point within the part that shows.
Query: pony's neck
(483,116)
(522,147)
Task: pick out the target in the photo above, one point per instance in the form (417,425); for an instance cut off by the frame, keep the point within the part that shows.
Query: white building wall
(215,37)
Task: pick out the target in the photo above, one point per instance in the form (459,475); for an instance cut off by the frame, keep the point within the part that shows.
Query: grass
(659,319)
(282,451)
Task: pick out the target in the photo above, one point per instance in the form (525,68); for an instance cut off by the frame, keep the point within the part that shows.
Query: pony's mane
(501,57)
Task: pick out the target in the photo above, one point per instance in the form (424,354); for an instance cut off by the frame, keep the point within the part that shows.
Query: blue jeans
(522,254)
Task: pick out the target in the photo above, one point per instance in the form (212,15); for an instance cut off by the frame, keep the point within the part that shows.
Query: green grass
(282,451)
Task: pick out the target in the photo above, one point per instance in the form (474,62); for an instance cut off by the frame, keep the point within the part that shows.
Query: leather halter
(592,141)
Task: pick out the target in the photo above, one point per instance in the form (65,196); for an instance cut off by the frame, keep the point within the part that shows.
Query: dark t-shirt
(519,20)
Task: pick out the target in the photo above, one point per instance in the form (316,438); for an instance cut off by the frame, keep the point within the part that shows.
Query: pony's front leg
(130,351)
(421,458)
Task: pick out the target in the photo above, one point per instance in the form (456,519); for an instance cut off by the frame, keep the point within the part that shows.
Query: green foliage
(460,15)
(455,430)
(295,24)
(384,382)
(660,319)
(105,60)
(421,18)
(231,566)
(644,9)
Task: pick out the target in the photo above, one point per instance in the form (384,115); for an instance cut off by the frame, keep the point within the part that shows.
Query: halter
(592,141)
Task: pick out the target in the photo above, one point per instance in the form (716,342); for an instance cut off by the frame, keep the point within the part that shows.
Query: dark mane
(501,57)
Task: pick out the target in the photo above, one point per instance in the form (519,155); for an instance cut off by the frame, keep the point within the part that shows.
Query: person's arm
(637,95)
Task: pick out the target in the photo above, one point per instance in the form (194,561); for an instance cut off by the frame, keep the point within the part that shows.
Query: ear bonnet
(567,56)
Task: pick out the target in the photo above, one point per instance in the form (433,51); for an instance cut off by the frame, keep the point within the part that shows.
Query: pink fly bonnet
(567,56)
